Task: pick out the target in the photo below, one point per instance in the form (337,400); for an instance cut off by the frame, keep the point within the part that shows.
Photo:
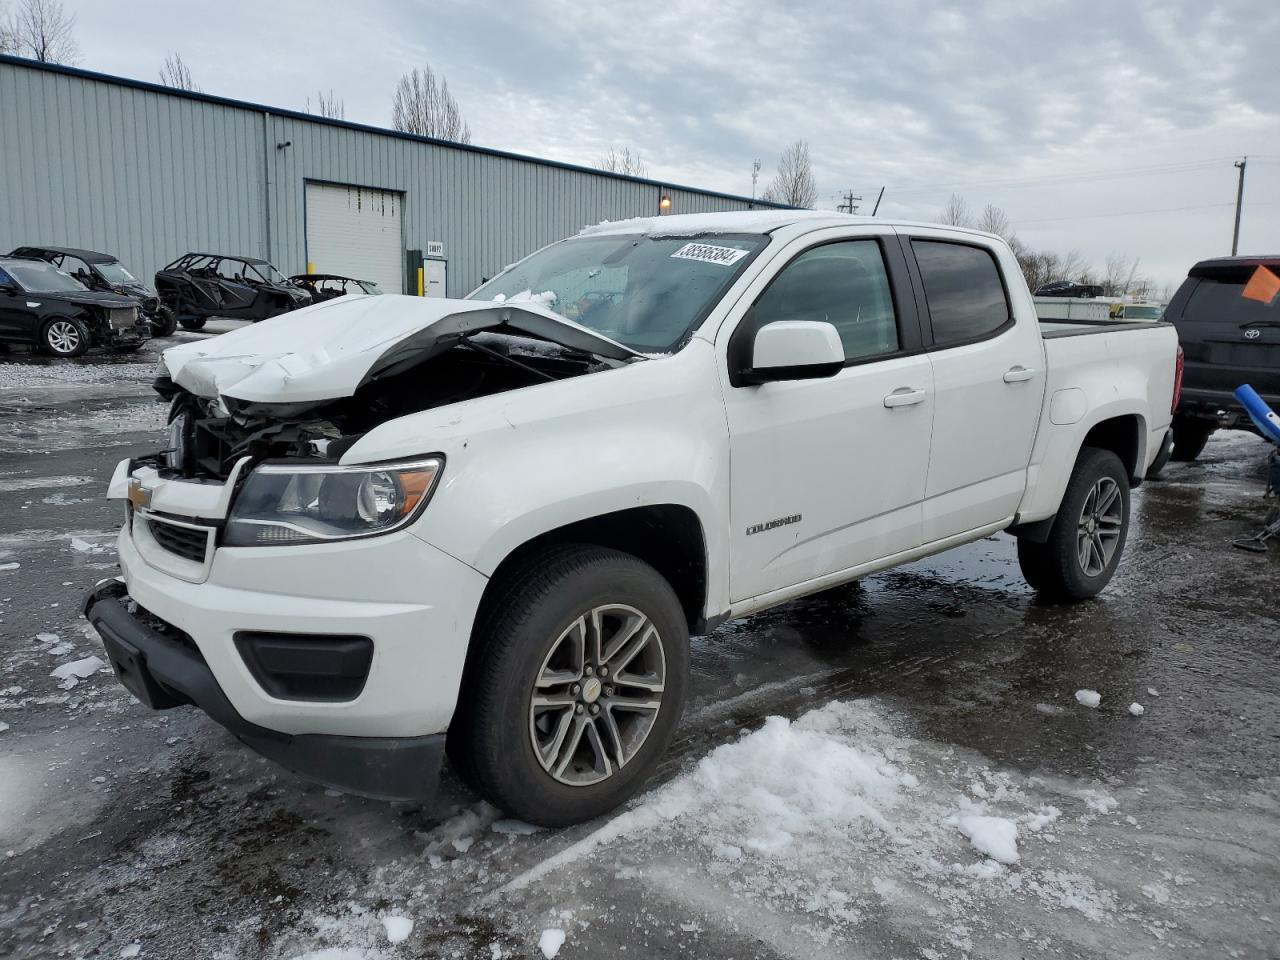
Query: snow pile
(550,942)
(1089,698)
(72,673)
(398,928)
(996,837)
(824,824)
(789,784)
(1137,709)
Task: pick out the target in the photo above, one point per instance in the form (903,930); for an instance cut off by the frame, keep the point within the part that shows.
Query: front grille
(186,542)
(122,319)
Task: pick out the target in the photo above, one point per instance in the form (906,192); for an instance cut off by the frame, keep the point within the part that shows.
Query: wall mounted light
(664,204)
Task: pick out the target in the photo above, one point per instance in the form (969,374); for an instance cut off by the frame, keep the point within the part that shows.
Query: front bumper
(162,670)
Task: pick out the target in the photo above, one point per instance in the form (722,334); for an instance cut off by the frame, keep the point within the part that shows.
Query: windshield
(266,272)
(370,288)
(43,278)
(647,293)
(115,273)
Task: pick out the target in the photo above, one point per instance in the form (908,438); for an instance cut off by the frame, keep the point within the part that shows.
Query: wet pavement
(912,701)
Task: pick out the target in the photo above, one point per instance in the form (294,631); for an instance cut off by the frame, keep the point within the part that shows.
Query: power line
(1116,173)
(1125,213)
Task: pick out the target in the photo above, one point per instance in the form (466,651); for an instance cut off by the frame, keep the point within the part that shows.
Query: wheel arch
(668,536)
(1123,435)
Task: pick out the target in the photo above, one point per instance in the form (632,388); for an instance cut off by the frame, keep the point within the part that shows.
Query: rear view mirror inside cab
(794,350)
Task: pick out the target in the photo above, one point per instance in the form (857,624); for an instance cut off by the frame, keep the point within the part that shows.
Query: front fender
(527,462)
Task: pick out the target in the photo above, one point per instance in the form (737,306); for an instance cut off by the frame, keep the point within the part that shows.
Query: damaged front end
(247,395)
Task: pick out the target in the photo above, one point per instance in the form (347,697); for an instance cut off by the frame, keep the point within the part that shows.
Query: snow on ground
(802,834)
(25,376)
(43,431)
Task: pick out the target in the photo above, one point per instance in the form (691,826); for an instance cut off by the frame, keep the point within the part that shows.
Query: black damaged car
(104,272)
(43,306)
(198,286)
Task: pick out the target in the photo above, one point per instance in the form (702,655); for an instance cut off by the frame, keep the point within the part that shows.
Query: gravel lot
(906,767)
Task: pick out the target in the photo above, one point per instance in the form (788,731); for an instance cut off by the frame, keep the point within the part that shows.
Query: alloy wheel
(597,695)
(1101,521)
(63,337)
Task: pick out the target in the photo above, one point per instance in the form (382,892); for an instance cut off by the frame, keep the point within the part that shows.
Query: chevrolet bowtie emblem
(139,496)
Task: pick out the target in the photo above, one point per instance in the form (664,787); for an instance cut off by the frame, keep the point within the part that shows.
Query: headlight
(282,504)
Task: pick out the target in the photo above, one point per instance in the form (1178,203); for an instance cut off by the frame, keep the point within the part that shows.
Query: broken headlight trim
(283,504)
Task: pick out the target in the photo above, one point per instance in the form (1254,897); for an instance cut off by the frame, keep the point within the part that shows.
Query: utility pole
(1235,237)
(876,208)
(848,206)
(755,175)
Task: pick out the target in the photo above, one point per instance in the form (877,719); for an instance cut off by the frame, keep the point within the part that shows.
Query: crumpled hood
(325,352)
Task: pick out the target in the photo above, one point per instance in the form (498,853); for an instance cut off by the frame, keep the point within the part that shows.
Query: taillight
(1177,380)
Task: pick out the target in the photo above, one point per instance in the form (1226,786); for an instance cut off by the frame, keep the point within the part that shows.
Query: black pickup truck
(1228,339)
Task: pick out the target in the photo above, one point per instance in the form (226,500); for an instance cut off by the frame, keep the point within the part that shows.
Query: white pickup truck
(384,528)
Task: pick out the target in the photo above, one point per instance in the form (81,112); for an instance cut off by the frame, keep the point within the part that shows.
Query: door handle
(904,397)
(1018,374)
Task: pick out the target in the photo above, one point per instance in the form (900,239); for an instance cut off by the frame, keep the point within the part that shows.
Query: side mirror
(795,350)
(9,288)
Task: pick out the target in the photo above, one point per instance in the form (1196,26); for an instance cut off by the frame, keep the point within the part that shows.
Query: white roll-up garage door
(356,232)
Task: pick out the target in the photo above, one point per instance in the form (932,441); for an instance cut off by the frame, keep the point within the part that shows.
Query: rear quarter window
(966,295)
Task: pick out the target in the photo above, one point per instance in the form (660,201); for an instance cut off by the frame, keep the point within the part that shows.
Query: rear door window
(966,296)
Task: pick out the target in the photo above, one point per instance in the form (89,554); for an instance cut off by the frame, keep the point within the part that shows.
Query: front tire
(65,337)
(165,322)
(1088,535)
(192,323)
(574,687)
(1190,434)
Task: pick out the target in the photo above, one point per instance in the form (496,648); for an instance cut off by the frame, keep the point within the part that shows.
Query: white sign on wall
(435,248)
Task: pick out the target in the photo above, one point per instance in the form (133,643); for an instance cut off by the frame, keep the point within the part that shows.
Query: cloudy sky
(1106,127)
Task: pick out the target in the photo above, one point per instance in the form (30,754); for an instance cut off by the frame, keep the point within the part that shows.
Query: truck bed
(1051,329)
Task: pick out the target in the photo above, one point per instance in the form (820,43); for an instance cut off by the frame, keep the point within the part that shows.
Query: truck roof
(749,221)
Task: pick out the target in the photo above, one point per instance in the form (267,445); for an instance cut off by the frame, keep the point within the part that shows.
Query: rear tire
(574,685)
(192,323)
(1088,535)
(1190,434)
(65,337)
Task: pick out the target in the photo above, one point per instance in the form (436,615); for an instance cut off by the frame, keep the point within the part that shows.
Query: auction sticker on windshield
(710,254)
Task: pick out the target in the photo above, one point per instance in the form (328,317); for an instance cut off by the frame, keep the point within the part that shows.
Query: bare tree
(327,105)
(994,220)
(424,106)
(956,213)
(8,42)
(1120,277)
(175,73)
(623,161)
(793,184)
(42,30)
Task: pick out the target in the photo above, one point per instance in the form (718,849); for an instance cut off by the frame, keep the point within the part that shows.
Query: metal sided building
(148,173)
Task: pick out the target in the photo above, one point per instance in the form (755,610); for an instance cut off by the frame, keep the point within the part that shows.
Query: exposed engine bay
(208,436)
